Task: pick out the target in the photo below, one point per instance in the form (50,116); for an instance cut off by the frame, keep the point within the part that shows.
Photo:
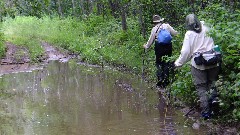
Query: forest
(112,32)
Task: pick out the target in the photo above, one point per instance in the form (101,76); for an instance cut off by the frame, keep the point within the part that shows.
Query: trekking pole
(190,110)
(172,75)
(143,63)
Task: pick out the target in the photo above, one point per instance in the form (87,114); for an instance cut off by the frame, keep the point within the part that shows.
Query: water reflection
(65,99)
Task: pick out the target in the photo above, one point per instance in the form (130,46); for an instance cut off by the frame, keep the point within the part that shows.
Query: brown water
(69,99)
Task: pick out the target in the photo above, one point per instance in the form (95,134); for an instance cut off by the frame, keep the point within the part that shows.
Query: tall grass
(101,41)
(95,39)
(2,45)
(22,31)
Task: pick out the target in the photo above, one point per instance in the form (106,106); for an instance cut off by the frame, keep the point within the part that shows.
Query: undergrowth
(101,41)
(2,45)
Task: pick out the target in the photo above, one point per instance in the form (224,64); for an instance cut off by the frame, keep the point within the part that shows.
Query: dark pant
(163,67)
(204,81)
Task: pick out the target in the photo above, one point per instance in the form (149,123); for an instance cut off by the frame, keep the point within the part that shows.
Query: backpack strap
(157,31)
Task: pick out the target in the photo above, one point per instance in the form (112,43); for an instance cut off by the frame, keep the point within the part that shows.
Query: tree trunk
(114,6)
(87,5)
(99,8)
(90,6)
(59,8)
(204,4)
(141,22)
(82,8)
(123,17)
(73,8)
(191,4)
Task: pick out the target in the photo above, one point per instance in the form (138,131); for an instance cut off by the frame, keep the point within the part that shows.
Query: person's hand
(145,46)
(175,67)
(172,65)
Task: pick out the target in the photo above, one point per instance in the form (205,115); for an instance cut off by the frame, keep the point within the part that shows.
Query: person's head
(192,23)
(157,19)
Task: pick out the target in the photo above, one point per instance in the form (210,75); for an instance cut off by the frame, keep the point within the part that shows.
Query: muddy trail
(17,59)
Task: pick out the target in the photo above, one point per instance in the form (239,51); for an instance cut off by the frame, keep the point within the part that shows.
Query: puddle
(70,99)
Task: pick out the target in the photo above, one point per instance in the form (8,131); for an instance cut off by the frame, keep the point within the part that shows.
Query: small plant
(2,45)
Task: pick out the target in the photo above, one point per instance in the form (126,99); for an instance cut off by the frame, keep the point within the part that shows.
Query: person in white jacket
(161,49)
(197,40)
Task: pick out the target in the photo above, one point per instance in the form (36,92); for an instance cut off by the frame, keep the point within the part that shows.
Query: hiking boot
(207,115)
(215,101)
(215,106)
(160,84)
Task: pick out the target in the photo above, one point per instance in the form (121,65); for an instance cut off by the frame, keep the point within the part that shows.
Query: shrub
(23,31)
(226,34)
(2,45)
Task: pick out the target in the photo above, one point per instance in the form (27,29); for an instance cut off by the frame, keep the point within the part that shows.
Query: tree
(123,17)
(60,13)
(73,8)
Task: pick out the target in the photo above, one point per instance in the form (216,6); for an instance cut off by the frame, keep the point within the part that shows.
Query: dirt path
(52,53)
(17,58)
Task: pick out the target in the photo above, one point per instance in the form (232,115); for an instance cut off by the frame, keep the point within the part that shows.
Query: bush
(22,31)
(99,41)
(95,39)
(2,44)
(226,34)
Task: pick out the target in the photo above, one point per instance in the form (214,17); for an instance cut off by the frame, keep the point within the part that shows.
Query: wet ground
(17,58)
(63,97)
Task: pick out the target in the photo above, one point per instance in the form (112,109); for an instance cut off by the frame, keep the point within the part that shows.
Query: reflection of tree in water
(165,111)
(60,99)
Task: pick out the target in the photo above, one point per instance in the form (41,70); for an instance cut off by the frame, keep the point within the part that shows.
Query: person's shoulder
(190,33)
(155,27)
(166,24)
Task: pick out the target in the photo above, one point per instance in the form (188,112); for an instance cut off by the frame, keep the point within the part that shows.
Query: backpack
(208,58)
(164,36)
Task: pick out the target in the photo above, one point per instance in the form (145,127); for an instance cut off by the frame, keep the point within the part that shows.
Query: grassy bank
(96,40)
(2,45)
(101,41)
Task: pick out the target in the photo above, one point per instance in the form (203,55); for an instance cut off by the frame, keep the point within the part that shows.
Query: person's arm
(151,38)
(185,51)
(171,30)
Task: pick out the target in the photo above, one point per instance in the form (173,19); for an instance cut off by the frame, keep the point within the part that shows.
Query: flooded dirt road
(70,99)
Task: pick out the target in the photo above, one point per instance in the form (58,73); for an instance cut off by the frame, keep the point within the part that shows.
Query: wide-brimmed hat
(157,19)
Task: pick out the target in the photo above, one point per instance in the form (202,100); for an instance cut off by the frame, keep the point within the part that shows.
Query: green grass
(2,45)
(22,31)
(98,40)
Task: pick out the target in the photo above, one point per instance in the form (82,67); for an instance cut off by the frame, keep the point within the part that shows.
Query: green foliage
(183,87)
(22,31)
(100,40)
(88,38)
(172,11)
(225,31)
(226,34)
(2,45)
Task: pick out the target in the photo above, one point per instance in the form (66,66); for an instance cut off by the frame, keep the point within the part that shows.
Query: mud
(53,53)
(17,58)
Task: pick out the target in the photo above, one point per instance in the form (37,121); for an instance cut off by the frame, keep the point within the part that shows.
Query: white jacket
(195,42)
